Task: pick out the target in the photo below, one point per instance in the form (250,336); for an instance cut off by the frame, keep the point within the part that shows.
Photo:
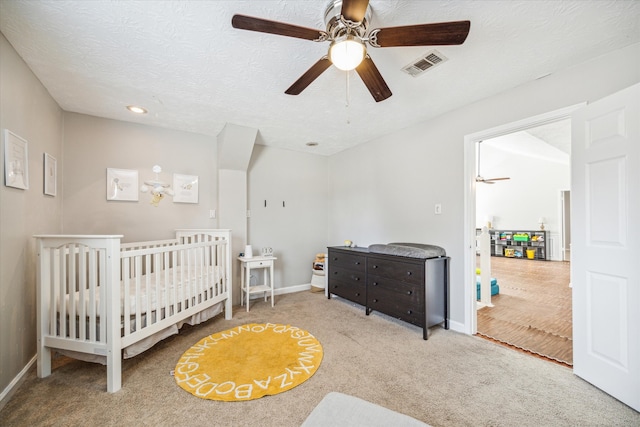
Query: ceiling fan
(347,28)
(479,177)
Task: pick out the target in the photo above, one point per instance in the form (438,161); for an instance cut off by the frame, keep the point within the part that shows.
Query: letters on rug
(248,362)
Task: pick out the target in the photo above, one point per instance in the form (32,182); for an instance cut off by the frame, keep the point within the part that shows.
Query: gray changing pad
(411,250)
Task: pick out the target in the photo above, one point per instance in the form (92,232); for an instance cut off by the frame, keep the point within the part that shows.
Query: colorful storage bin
(495,289)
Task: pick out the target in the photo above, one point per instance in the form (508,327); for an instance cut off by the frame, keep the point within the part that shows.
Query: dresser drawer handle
(375,300)
(357,294)
(409,311)
(335,258)
(375,283)
(357,262)
(356,278)
(375,266)
(409,273)
(409,292)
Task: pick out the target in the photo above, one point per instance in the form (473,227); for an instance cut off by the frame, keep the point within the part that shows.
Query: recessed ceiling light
(136,109)
(312,144)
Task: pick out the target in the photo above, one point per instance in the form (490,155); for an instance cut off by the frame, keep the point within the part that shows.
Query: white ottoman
(341,410)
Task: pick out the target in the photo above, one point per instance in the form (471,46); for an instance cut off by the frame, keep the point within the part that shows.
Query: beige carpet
(450,380)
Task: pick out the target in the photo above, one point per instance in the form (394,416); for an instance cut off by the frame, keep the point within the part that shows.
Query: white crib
(101,300)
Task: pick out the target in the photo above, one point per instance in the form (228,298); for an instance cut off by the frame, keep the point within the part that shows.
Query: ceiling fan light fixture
(347,52)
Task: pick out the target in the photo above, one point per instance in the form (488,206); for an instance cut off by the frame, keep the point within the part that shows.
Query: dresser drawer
(404,294)
(354,262)
(409,272)
(346,275)
(396,305)
(353,291)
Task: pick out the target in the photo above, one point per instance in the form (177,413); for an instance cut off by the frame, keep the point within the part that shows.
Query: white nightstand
(247,264)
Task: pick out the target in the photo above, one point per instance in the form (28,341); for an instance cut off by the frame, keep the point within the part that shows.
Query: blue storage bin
(495,289)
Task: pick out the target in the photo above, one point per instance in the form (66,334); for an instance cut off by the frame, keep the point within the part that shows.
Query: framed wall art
(122,184)
(50,174)
(185,188)
(16,161)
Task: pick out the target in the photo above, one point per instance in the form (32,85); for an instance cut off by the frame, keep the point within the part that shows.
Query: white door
(605,267)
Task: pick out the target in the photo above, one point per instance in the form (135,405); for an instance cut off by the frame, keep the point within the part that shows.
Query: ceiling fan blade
(260,25)
(443,33)
(373,80)
(354,10)
(309,76)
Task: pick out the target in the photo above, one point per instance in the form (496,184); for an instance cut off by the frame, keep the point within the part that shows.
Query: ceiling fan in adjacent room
(479,177)
(347,28)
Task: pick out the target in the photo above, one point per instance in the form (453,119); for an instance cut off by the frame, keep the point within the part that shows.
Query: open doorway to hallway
(532,310)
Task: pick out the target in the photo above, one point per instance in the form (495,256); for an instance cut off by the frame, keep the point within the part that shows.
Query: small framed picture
(50,174)
(185,188)
(16,161)
(122,184)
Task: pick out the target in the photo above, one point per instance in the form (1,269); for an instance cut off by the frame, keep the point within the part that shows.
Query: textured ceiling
(184,62)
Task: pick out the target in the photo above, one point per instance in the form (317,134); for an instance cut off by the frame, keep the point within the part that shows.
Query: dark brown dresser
(414,290)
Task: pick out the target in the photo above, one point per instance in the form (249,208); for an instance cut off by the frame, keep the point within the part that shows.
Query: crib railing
(98,296)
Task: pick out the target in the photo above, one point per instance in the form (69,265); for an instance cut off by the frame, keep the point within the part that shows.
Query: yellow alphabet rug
(248,362)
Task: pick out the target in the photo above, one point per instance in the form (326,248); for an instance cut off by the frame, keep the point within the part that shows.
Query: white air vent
(425,62)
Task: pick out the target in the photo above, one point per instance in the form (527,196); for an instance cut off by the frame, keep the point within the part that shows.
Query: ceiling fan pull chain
(348,95)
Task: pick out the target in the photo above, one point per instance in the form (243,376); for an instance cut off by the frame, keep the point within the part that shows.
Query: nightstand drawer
(259,264)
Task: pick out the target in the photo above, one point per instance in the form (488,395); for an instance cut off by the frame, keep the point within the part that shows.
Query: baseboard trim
(286,290)
(458,327)
(13,385)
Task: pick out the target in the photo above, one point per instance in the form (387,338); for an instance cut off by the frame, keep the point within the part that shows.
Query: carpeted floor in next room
(450,380)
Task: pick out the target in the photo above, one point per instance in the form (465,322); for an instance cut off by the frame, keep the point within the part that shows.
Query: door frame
(470,162)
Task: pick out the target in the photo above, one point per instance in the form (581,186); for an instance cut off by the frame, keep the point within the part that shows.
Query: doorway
(532,310)
(470,198)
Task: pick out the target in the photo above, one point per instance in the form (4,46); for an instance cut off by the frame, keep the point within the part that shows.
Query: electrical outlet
(212,214)
(438,209)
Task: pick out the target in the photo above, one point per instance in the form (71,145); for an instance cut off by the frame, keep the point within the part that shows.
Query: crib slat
(82,284)
(92,276)
(53,276)
(126,291)
(165,301)
(103,285)
(137,273)
(61,285)
(148,288)
(175,303)
(71,284)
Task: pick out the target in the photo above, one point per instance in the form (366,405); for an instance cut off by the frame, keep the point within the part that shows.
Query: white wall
(532,192)
(94,144)
(386,190)
(27,109)
(296,231)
